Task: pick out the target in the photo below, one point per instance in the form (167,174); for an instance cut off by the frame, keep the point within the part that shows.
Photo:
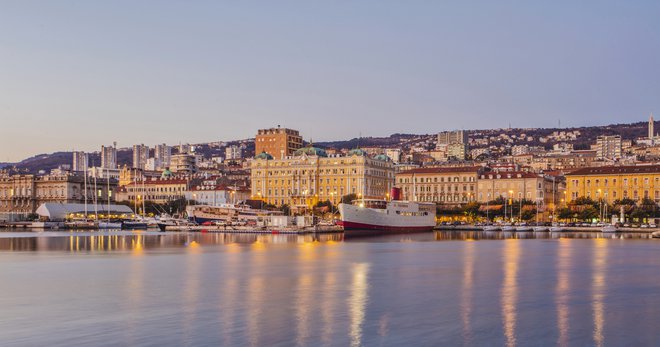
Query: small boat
(491,228)
(81,224)
(524,227)
(609,229)
(556,229)
(508,228)
(539,229)
(134,224)
(109,225)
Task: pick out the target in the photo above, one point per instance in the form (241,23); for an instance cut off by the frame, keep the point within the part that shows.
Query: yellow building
(443,185)
(278,142)
(518,185)
(310,175)
(156,190)
(615,182)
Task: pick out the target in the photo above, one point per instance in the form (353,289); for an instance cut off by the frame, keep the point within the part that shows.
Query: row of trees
(582,209)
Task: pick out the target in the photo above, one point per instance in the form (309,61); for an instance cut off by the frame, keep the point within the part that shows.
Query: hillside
(588,136)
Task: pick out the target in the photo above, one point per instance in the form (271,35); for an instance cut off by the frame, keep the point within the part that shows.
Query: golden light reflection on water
(466,293)
(257,288)
(564,259)
(230,291)
(192,286)
(134,291)
(327,307)
(357,302)
(598,279)
(510,289)
(307,253)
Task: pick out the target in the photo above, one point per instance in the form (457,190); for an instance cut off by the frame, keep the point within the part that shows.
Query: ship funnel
(395,193)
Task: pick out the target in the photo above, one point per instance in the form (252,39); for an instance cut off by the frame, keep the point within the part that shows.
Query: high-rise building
(109,156)
(80,161)
(140,156)
(450,137)
(163,156)
(608,147)
(233,153)
(278,142)
(454,143)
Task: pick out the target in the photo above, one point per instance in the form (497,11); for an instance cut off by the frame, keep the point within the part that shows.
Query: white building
(109,156)
(140,156)
(80,161)
(233,153)
(163,156)
(608,147)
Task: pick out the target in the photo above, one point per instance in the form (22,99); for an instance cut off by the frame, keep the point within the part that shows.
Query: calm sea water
(432,289)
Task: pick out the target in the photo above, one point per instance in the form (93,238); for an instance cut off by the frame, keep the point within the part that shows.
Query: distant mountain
(2,165)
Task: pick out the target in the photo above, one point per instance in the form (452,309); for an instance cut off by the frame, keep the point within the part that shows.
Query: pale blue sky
(78,74)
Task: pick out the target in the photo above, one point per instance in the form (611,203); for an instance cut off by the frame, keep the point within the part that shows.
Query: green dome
(358,152)
(382,157)
(311,151)
(166,173)
(264,156)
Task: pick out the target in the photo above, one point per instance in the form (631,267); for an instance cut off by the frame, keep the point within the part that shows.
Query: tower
(651,132)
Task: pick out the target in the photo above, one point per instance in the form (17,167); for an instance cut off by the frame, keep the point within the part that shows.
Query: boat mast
(85,188)
(107,177)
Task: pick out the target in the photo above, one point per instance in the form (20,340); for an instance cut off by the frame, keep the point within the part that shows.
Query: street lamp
(600,206)
(510,203)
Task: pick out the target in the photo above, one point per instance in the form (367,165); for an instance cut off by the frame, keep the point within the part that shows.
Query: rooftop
(612,170)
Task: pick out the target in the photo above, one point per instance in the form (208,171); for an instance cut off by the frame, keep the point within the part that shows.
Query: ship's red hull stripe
(361,226)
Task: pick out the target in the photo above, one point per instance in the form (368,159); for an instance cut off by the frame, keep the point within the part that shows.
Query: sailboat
(537,227)
(84,223)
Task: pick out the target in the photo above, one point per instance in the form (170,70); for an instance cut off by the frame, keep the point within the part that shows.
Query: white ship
(387,216)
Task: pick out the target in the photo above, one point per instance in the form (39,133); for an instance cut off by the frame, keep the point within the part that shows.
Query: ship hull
(397,217)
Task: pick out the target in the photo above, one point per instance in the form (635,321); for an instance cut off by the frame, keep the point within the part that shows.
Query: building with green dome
(311,175)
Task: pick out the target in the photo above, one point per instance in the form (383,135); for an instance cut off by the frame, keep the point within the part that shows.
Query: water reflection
(256,291)
(562,289)
(510,290)
(598,289)
(358,301)
(466,293)
(143,241)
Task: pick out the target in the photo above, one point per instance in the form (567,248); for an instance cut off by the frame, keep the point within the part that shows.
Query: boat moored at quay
(371,216)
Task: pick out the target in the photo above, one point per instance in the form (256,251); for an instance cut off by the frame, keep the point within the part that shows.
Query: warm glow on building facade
(310,176)
(615,183)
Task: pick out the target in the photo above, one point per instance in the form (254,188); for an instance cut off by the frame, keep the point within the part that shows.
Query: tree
(564,213)
(286,209)
(528,214)
(588,213)
(347,199)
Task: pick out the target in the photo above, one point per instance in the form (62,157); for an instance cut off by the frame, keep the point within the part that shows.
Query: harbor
(459,287)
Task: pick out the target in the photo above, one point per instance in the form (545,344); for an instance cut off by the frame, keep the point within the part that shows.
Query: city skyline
(209,72)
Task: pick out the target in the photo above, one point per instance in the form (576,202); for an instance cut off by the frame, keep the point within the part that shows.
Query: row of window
(436,180)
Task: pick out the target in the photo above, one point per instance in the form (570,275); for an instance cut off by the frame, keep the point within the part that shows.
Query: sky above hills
(78,74)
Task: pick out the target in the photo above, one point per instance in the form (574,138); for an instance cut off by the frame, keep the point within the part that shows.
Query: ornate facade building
(443,185)
(310,175)
(23,194)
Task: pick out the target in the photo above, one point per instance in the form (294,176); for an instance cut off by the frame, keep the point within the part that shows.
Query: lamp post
(600,206)
(511,203)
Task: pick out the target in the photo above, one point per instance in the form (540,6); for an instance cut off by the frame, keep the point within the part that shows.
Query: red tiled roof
(157,182)
(439,170)
(509,175)
(613,170)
